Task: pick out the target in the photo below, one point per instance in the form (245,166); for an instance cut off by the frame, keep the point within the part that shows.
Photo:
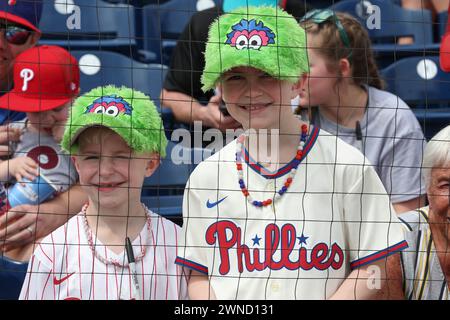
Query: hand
(26,223)
(58,130)
(23,167)
(211,116)
(8,134)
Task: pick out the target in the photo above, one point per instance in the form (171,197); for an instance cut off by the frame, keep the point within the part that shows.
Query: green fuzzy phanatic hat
(266,38)
(129,113)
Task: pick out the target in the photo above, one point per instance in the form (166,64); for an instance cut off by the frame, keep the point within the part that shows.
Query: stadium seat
(432,121)
(163,23)
(99,68)
(424,87)
(419,81)
(89,24)
(174,170)
(393,22)
(442,24)
(12,275)
(163,191)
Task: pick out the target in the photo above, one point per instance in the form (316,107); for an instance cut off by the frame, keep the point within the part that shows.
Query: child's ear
(75,163)
(152,164)
(299,85)
(345,68)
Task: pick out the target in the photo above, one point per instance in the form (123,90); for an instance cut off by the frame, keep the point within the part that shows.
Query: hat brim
(86,121)
(16,102)
(16,19)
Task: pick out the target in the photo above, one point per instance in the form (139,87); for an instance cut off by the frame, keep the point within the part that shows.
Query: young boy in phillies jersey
(116,138)
(313,221)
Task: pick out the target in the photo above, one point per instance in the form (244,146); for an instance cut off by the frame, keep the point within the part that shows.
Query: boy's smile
(109,187)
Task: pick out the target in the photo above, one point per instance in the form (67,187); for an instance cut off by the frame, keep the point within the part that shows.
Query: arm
(409,205)
(364,283)
(186,109)
(199,287)
(393,290)
(42,219)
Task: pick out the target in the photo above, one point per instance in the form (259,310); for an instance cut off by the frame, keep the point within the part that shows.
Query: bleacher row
(120,42)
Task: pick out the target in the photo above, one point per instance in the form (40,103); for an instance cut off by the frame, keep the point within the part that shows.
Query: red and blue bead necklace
(287,183)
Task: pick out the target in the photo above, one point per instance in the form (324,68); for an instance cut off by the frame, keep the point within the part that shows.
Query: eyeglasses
(320,16)
(14,34)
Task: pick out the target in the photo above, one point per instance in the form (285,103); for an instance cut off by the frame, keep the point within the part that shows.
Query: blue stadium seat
(174,170)
(163,23)
(93,24)
(424,87)
(167,206)
(163,191)
(442,24)
(99,68)
(394,22)
(12,275)
(419,81)
(432,120)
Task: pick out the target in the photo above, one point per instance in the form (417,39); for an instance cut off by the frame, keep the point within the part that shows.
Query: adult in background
(19,32)
(435,6)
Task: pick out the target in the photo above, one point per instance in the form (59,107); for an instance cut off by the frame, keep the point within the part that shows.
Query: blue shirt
(7,116)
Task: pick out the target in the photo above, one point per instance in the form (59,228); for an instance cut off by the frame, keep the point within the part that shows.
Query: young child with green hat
(310,221)
(116,138)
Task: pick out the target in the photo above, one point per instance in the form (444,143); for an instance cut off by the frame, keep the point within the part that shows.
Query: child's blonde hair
(92,136)
(359,52)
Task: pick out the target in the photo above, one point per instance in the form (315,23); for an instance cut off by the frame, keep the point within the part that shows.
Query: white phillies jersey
(335,216)
(64,267)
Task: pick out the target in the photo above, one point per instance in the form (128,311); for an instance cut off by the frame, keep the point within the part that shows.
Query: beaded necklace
(287,183)
(117,263)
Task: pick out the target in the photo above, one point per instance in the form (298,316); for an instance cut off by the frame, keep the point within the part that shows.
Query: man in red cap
(46,81)
(18,32)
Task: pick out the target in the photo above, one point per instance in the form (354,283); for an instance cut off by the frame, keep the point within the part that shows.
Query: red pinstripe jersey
(63,266)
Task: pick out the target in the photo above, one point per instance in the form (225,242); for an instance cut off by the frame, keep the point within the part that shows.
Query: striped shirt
(423,278)
(63,266)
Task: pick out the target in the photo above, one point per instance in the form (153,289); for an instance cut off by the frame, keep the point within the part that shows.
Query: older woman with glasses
(346,93)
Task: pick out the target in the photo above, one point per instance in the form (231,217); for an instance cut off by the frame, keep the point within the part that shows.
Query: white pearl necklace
(117,263)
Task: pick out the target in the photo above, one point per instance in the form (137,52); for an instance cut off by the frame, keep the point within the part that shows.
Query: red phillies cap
(45,78)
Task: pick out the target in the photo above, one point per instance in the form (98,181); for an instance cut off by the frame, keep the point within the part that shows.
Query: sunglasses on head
(321,16)
(15,34)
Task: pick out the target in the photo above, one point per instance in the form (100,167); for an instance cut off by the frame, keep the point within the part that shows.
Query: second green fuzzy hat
(266,38)
(129,113)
